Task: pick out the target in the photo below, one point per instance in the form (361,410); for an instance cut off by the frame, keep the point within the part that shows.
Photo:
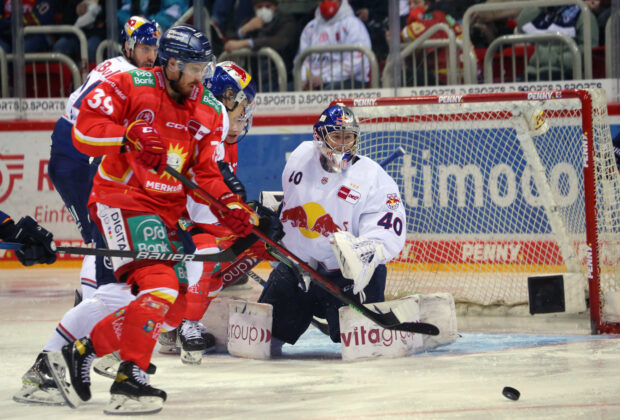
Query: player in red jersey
(235,89)
(140,121)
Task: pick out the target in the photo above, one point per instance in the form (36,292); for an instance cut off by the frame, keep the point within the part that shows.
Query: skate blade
(193,357)
(58,367)
(106,366)
(33,394)
(167,349)
(123,405)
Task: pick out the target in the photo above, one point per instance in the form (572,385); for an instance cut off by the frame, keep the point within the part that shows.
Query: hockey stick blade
(388,320)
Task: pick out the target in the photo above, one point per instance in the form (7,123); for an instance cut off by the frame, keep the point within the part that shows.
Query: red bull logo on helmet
(239,74)
(311,219)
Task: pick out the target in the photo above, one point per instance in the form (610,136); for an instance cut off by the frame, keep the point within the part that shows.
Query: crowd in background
(288,27)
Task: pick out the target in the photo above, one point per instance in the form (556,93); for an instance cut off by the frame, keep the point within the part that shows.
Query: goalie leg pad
(363,339)
(439,309)
(249,329)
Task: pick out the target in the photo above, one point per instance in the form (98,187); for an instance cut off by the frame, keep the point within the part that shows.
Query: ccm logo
(175,125)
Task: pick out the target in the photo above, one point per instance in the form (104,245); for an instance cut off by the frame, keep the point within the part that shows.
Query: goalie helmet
(138,30)
(187,44)
(232,84)
(336,136)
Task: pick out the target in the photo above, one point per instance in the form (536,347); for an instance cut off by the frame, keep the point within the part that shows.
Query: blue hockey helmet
(336,135)
(187,44)
(231,84)
(139,30)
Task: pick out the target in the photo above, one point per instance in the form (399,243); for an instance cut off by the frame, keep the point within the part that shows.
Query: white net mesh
(495,193)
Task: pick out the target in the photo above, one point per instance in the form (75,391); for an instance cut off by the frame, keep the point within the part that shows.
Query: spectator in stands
(89,16)
(421,18)
(334,24)
(229,15)
(567,20)
(164,12)
(374,14)
(486,26)
(455,8)
(273,28)
(36,12)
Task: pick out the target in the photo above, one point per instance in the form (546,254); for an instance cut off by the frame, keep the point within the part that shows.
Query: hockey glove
(38,244)
(231,180)
(259,251)
(239,218)
(357,258)
(144,139)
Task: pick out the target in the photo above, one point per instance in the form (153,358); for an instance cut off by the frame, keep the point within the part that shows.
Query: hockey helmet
(232,84)
(187,45)
(336,136)
(139,30)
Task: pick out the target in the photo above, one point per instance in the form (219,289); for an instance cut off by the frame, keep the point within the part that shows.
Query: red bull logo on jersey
(311,219)
(392,201)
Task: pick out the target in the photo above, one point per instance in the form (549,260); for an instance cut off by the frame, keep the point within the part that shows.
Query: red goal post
(501,187)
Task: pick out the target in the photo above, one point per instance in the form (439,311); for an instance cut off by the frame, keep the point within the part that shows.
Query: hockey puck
(511,393)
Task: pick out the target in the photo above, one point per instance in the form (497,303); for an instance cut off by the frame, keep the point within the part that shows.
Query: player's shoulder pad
(141,77)
(209,100)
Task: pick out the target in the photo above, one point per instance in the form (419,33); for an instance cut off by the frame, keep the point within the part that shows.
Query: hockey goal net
(499,188)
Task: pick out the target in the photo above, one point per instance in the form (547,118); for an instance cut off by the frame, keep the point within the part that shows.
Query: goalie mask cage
(499,188)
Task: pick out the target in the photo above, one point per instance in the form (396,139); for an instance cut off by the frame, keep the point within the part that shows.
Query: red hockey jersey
(190,131)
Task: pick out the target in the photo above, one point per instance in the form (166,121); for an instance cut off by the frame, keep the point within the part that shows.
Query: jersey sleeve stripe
(97,141)
(124,179)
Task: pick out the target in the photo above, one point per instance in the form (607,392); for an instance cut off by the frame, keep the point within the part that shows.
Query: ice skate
(207,337)
(191,342)
(168,343)
(107,365)
(38,386)
(74,359)
(131,393)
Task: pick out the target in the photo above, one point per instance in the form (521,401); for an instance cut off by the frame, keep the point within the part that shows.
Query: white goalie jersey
(363,200)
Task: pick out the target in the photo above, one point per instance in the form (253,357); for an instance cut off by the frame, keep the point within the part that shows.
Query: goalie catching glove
(144,139)
(357,258)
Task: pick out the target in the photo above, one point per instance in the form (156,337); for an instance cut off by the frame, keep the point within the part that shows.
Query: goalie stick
(398,153)
(386,320)
(229,254)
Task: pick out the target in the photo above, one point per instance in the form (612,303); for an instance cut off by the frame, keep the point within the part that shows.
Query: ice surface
(560,375)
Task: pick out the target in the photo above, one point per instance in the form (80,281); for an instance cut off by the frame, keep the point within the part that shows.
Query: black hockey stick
(227,255)
(386,320)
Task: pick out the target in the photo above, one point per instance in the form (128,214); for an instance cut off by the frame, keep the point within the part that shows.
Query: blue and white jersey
(61,137)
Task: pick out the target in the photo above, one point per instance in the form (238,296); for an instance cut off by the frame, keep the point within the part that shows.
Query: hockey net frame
(520,136)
